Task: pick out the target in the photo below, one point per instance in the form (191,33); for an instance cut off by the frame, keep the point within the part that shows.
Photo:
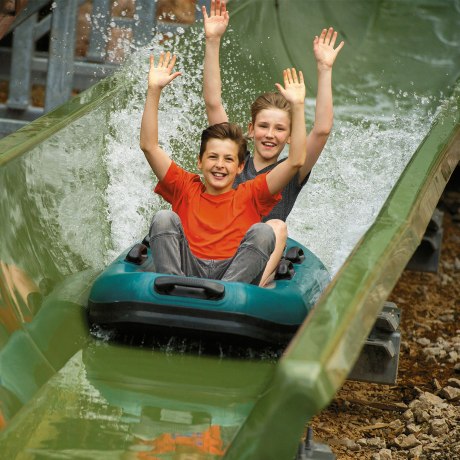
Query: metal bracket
(426,256)
(379,358)
(312,450)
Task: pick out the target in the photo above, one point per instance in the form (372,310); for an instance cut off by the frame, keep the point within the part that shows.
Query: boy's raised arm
(159,77)
(294,92)
(325,55)
(214,27)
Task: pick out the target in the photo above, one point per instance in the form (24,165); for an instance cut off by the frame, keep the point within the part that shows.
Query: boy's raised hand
(323,48)
(294,87)
(162,75)
(216,23)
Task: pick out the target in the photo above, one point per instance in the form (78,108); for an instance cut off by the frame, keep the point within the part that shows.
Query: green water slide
(75,191)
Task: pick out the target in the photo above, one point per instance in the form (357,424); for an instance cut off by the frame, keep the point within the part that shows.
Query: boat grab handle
(137,254)
(183,286)
(295,255)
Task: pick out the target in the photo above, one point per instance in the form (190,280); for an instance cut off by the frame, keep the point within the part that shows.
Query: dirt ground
(419,417)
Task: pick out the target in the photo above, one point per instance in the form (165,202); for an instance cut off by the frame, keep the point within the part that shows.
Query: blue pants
(172,255)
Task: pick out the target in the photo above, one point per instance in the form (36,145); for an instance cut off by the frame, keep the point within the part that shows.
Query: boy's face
(219,165)
(270,131)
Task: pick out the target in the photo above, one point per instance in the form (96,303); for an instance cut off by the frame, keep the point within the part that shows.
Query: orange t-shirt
(215,224)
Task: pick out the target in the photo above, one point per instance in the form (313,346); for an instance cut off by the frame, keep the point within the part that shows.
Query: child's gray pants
(172,255)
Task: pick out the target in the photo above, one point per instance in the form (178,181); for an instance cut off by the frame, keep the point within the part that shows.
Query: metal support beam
(42,27)
(144,22)
(100,18)
(19,88)
(61,61)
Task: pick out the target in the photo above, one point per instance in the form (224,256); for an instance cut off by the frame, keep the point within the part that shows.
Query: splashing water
(369,147)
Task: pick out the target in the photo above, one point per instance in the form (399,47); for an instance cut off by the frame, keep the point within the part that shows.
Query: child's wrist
(324,67)
(154,89)
(299,103)
(214,39)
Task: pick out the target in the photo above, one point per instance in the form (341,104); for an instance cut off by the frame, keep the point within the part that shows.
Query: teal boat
(128,295)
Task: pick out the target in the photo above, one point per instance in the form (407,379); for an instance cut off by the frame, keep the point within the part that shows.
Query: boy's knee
(279,227)
(163,221)
(263,237)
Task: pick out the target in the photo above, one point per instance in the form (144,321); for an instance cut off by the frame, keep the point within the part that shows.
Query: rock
(413,428)
(421,416)
(396,425)
(425,438)
(438,427)
(376,442)
(415,452)
(433,351)
(442,342)
(430,359)
(457,264)
(350,444)
(408,415)
(454,383)
(385,454)
(431,399)
(450,393)
(423,341)
(407,442)
(447,318)
(347,443)
(436,384)
(445,279)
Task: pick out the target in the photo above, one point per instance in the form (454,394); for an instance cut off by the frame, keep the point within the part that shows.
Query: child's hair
(271,100)
(225,131)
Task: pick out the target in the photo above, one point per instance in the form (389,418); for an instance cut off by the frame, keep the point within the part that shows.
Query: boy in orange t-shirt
(214,231)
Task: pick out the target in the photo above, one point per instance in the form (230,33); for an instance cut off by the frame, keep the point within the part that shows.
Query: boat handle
(137,254)
(183,286)
(295,255)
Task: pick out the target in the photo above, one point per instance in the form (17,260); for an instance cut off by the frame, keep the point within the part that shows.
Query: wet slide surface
(74,195)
